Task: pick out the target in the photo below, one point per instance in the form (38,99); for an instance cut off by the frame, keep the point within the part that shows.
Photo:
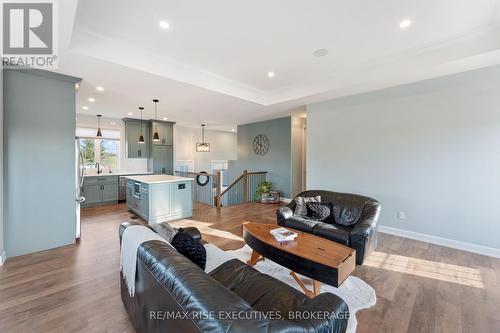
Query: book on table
(283,234)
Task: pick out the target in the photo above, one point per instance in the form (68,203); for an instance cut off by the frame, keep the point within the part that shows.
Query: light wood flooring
(420,287)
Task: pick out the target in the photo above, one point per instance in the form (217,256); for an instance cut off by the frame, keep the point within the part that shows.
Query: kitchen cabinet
(163,159)
(110,192)
(165,132)
(132,201)
(100,190)
(92,194)
(134,149)
(160,198)
(144,201)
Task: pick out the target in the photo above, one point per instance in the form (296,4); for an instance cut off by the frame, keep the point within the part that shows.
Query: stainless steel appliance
(137,190)
(122,189)
(79,175)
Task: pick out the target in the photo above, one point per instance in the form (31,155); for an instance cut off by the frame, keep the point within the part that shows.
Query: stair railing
(241,190)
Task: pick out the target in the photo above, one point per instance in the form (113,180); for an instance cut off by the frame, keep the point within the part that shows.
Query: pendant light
(141,138)
(99,133)
(203,147)
(156,137)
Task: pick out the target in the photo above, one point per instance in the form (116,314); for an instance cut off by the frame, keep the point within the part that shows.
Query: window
(219,165)
(106,152)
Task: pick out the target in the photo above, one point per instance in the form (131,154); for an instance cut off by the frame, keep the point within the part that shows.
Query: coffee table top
(311,247)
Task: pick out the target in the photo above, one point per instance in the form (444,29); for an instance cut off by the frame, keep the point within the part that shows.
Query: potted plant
(263,190)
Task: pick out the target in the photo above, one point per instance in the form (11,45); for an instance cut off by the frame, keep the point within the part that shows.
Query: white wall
(223,146)
(430,149)
(126,164)
(297,136)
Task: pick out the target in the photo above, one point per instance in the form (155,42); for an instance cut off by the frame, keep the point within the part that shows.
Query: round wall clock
(261,144)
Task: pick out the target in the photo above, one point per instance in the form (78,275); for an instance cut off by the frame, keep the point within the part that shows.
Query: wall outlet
(401,216)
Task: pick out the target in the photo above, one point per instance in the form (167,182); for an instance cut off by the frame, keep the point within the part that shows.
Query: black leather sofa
(174,295)
(362,236)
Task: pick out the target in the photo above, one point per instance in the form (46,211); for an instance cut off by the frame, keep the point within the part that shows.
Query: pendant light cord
(156,114)
(141,108)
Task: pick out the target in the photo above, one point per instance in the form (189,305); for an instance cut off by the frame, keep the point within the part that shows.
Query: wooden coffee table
(322,260)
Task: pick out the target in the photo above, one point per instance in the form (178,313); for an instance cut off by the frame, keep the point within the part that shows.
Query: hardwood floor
(420,287)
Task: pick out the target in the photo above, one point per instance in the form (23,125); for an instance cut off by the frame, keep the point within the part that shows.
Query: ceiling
(211,65)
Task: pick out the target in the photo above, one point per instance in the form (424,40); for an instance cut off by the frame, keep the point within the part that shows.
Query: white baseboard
(469,247)
(286,200)
(3,256)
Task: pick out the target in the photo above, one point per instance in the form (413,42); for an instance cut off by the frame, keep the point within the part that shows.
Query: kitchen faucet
(99,170)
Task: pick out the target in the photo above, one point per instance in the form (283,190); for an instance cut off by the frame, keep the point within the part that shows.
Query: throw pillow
(319,211)
(190,248)
(346,216)
(165,230)
(300,204)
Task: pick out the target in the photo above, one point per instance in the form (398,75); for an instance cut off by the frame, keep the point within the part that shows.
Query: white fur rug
(355,292)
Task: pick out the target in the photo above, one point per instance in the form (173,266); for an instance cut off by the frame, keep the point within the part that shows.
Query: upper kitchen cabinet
(165,131)
(163,159)
(134,149)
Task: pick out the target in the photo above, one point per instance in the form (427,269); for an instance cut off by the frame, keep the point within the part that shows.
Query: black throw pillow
(190,248)
(319,211)
(347,216)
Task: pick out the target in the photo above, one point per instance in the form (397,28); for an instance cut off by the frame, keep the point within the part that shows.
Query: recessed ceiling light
(130,114)
(91,99)
(164,25)
(165,118)
(320,53)
(405,24)
(85,107)
(271,74)
(99,89)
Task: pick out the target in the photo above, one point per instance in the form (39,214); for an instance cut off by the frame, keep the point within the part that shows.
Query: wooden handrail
(245,186)
(196,173)
(243,176)
(232,184)
(257,173)
(218,182)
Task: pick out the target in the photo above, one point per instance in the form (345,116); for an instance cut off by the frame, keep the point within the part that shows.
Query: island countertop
(157,179)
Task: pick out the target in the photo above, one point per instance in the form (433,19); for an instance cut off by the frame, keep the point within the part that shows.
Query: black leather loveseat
(174,295)
(362,211)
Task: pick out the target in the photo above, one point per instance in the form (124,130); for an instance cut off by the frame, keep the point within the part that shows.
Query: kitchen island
(160,198)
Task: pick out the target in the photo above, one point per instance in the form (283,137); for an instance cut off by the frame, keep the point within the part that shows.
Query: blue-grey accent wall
(277,162)
(2,252)
(39,155)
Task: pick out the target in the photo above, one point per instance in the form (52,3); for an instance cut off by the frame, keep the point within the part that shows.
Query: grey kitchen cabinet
(134,149)
(132,200)
(183,196)
(92,194)
(100,190)
(167,199)
(110,192)
(144,201)
(138,198)
(165,132)
(163,159)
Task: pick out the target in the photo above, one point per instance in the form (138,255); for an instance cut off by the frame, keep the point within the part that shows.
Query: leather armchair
(362,236)
(174,295)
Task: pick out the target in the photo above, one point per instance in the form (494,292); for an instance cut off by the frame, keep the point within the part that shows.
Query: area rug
(355,292)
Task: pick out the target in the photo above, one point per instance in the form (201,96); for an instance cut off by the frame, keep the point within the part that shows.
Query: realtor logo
(28,33)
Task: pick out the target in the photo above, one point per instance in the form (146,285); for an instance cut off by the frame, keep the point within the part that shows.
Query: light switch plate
(401,216)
